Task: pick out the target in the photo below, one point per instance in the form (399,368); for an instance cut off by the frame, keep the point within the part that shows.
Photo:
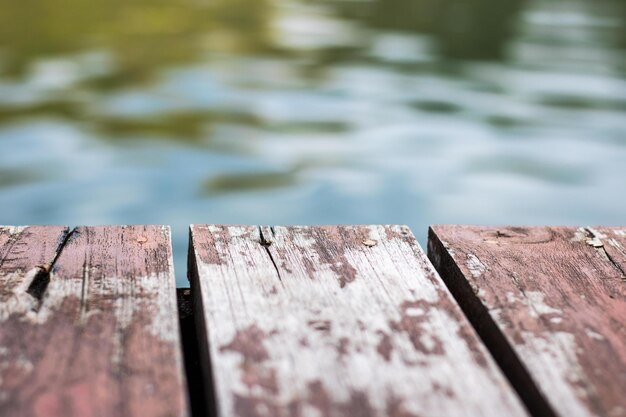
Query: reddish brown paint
(396,408)
(249,343)
(385,346)
(93,347)
(581,290)
(330,243)
(411,325)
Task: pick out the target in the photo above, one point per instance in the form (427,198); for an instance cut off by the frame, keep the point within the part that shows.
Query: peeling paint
(596,233)
(496,315)
(536,301)
(580,235)
(553,357)
(391,335)
(475,266)
(95,329)
(559,305)
(510,297)
(594,335)
(12,230)
(18,301)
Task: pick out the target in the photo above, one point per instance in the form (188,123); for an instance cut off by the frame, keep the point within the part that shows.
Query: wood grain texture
(335,321)
(96,334)
(550,302)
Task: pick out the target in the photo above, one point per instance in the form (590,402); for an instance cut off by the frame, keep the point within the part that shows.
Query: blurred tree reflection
(476,29)
(465,29)
(142,36)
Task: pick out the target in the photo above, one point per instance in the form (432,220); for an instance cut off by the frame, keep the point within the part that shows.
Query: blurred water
(309,112)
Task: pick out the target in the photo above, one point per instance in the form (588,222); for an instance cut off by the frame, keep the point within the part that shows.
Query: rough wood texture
(550,303)
(88,323)
(335,321)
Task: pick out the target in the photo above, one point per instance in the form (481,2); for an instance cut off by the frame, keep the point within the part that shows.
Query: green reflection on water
(248,182)
(142,36)
(17,176)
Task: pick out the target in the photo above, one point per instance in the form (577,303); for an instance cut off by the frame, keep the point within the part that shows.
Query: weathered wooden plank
(100,335)
(335,321)
(26,253)
(550,302)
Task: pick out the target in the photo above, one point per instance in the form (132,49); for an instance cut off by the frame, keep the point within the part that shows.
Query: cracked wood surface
(88,323)
(335,321)
(550,303)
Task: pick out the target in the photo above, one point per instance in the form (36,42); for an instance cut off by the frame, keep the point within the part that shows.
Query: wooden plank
(335,321)
(100,335)
(550,303)
(26,253)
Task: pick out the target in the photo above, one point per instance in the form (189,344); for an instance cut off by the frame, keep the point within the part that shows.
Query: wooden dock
(336,321)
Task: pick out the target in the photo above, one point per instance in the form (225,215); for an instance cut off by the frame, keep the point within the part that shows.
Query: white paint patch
(23,363)
(155,295)
(238,231)
(12,230)
(481,293)
(580,235)
(595,242)
(553,359)
(593,335)
(475,266)
(447,247)
(496,315)
(596,233)
(510,297)
(19,302)
(414,312)
(596,239)
(57,291)
(211,228)
(310,411)
(538,305)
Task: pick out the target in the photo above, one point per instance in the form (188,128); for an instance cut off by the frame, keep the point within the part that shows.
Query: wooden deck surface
(88,323)
(327,321)
(550,303)
(336,321)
